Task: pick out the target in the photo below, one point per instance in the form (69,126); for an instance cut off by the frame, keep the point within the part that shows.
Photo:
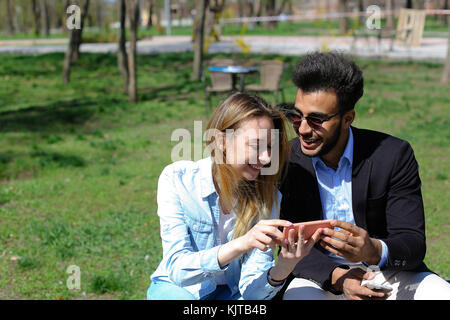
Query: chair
(220,82)
(271,71)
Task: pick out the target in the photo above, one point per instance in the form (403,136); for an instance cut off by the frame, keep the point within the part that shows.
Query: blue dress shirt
(335,188)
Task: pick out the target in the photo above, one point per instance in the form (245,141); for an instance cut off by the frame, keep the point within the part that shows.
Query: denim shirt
(189,211)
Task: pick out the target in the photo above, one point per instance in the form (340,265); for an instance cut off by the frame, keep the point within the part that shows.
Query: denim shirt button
(194,226)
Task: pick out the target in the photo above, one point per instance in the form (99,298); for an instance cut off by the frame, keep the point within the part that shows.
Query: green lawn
(79,164)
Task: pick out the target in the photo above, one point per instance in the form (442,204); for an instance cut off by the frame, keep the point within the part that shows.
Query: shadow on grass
(48,118)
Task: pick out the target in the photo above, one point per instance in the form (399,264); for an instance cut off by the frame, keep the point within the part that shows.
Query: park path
(431,49)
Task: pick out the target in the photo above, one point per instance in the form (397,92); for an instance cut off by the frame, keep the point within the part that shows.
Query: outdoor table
(235,71)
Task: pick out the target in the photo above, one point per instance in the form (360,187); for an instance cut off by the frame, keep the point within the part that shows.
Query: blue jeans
(162,290)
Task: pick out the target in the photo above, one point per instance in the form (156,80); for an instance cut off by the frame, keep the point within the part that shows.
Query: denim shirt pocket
(200,231)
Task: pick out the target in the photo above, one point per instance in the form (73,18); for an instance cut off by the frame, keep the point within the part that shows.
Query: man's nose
(304,128)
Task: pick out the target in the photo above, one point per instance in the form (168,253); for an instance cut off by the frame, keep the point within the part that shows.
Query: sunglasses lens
(314,122)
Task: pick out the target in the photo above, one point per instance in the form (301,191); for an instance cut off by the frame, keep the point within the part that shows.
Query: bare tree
(133,17)
(343,21)
(122,59)
(199,28)
(150,13)
(390,23)
(36,17)
(418,4)
(74,44)
(45,20)
(10,16)
(446,74)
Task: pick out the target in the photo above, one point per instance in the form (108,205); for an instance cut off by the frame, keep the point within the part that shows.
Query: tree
(446,74)
(343,21)
(36,18)
(122,60)
(45,20)
(10,16)
(73,48)
(390,23)
(199,28)
(133,17)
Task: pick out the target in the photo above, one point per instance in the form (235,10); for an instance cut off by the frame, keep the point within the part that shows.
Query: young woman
(218,216)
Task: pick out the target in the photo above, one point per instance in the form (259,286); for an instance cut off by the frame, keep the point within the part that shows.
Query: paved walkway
(431,49)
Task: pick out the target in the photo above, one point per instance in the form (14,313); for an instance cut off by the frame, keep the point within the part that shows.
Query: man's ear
(349,116)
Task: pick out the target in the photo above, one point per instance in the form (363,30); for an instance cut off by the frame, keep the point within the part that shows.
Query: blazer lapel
(361,169)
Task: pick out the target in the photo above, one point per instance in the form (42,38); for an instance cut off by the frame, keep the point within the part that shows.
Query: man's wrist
(375,258)
(337,278)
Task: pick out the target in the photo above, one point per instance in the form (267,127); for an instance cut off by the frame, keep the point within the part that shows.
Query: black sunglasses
(296,119)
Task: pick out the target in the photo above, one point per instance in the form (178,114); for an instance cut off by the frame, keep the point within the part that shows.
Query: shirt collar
(348,152)
(206,179)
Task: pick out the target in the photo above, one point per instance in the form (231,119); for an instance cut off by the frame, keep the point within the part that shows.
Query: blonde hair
(251,200)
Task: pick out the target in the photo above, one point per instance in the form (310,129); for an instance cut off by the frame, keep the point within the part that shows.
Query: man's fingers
(346,226)
(338,244)
(342,235)
(331,249)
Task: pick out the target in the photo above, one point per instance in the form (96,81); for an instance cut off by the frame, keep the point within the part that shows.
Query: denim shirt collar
(347,155)
(206,179)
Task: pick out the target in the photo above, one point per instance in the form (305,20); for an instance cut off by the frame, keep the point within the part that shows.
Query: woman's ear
(220,141)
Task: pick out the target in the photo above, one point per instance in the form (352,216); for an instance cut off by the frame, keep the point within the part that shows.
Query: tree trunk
(150,13)
(133,18)
(73,49)
(10,16)
(418,4)
(390,23)
(343,21)
(36,17)
(199,28)
(446,74)
(361,9)
(45,20)
(122,59)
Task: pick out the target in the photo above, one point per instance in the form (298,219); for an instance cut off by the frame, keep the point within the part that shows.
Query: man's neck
(331,159)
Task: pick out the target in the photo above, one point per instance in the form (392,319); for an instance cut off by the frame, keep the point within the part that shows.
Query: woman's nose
(264,156)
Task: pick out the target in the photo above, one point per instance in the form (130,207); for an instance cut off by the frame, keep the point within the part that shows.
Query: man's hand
(352,243)
(349,282)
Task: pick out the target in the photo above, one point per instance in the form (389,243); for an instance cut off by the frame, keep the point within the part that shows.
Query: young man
(367,181)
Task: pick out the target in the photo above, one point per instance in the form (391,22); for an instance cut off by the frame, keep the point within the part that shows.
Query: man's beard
(327,147)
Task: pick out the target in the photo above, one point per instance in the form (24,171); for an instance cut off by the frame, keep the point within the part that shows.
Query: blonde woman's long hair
(250,200)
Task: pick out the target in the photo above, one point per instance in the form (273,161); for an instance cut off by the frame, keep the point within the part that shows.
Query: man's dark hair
(330,71)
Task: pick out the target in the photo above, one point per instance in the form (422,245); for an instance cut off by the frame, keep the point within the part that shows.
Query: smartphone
(376,286)
(310,228)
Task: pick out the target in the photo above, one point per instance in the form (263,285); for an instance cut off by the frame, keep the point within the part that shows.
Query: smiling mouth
(310,142)
(255,167)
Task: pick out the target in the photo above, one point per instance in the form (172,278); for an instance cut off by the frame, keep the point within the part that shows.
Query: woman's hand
(264,233)
(292,252)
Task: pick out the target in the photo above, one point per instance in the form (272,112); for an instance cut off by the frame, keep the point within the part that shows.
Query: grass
(79,164)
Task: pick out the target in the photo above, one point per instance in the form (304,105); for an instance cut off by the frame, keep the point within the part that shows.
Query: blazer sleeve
(405,213)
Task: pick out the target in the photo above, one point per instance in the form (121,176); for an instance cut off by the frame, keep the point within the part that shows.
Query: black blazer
(386,198)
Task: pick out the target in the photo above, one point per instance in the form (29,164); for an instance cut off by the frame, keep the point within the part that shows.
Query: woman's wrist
(278,274)
(229,251)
